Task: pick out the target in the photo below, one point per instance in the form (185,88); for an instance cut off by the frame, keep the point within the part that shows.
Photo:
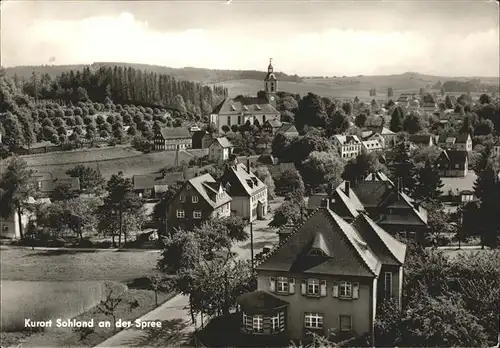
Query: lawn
(109,161)
(25,264)
(51,282)
(465,183)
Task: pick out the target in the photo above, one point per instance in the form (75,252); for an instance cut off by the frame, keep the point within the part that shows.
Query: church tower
(270,83)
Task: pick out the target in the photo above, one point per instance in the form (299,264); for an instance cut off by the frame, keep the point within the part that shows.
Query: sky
(369,37)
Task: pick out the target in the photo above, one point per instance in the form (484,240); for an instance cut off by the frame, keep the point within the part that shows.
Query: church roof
(245,105)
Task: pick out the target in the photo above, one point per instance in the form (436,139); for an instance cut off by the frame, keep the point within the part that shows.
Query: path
(174,314)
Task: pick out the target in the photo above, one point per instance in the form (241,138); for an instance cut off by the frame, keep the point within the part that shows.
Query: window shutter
(272,284)
(355,290)
(323,288)
(291,286)
(335,289)
(303,287)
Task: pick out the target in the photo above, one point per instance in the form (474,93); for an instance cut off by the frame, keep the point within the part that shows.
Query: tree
(390,92)
(91,180)
(428,183)
(484,127)
(311,111)
(290,212)
(362,165)
(288,181)
(62,193)
(360,120)
(448,103)
(120,204)
(233,226)
(262,172)
(403,167)
(338,123)
(412,123)
(322,168)
(181,251)
(486,190)
(281,147)
(81,214)
(15,188)
(397,118)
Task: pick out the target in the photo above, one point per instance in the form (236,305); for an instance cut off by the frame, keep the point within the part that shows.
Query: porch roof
(259,301)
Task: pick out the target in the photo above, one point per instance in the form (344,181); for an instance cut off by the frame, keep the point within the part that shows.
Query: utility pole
(251,243)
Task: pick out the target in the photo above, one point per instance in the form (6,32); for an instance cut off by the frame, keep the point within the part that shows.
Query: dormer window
(245,108)
(257,107)
(233,108)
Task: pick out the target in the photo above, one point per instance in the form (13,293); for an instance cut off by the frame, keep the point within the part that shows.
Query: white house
(220,150)
(349,146)
(372,146)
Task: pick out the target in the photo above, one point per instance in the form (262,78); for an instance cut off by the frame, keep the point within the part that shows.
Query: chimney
(248,165)
(325,203)
(347,188)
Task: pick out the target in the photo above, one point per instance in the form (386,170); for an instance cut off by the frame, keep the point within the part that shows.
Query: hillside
(187,73)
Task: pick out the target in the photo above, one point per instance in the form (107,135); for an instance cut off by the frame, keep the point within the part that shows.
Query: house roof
(287,128)
(346,252)
(48,185)
(259,300)
(274,123)
(372,144)
(347,139)
(458,138)
(420,138)
(148,181)
(378,176)
(245,105)
(208,188)
(314,201)
(175,132)
(223,142)
(387,248)
(380,130)
(240,181)
(453,156)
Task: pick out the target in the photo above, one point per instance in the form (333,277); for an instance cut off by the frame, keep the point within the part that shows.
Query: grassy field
(40,301)
(109,160)
(343,87)
(71,279)
(25,264)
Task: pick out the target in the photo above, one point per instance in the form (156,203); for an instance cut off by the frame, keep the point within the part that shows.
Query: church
(243,109)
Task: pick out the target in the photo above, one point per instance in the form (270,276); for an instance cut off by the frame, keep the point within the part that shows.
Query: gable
(324,231)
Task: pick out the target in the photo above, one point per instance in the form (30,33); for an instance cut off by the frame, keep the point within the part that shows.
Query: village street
(176,321)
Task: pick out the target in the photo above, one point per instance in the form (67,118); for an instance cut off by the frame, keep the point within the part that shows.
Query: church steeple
(270,82)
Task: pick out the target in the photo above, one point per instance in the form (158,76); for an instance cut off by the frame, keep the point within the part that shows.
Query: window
(388,284)
(257,323)
(180,213)
(275,323)
(182,199)
(247,322)
(345,289)
(313,287)
(229,121)
(5,228)
(197,214)
(345,323)
(263,118)
(313,321)
(282,285)
(194,199)
(239,120)
(457,166)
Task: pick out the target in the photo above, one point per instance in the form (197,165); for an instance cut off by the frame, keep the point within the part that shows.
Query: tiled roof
(287,128)
(245,105)
(459,138)
(208,189)
(379,176)
(241,181)
(372,144)
(347,139)
(380,130)
(48,185)
(420,138)
(148,181)
(387,248)
(175,132)
(453,156)
(274,123)
(349,253)
(223,142)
